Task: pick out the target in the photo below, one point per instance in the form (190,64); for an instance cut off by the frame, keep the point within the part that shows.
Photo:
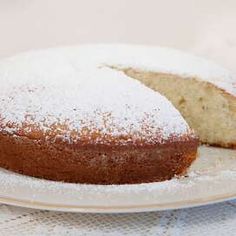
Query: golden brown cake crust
(97,164)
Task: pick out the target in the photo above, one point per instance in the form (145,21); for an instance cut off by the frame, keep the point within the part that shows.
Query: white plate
(212,178)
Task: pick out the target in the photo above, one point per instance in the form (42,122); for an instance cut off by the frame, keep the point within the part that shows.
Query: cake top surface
(55,92)
(71,93)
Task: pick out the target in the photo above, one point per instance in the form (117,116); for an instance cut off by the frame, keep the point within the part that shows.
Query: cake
(89,114)
(66,117)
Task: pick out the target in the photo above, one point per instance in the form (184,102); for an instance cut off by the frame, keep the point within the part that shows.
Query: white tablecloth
(217,219)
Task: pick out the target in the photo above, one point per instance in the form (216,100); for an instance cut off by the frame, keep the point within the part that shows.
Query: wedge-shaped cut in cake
(202,91)
(208,109)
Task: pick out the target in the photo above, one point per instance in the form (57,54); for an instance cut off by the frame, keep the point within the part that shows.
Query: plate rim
(116,209)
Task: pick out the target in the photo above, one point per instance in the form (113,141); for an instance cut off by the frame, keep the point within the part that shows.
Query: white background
(205,27)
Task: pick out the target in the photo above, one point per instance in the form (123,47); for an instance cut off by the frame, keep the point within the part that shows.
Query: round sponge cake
(66,117)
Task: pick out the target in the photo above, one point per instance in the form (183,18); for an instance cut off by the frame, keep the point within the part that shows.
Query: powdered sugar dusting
(72,93)
(50,90)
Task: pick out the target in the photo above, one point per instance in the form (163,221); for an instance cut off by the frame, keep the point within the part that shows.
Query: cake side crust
(99,164)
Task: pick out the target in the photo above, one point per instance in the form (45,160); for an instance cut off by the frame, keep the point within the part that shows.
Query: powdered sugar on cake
(156,59)
(47,92)
(73,90)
